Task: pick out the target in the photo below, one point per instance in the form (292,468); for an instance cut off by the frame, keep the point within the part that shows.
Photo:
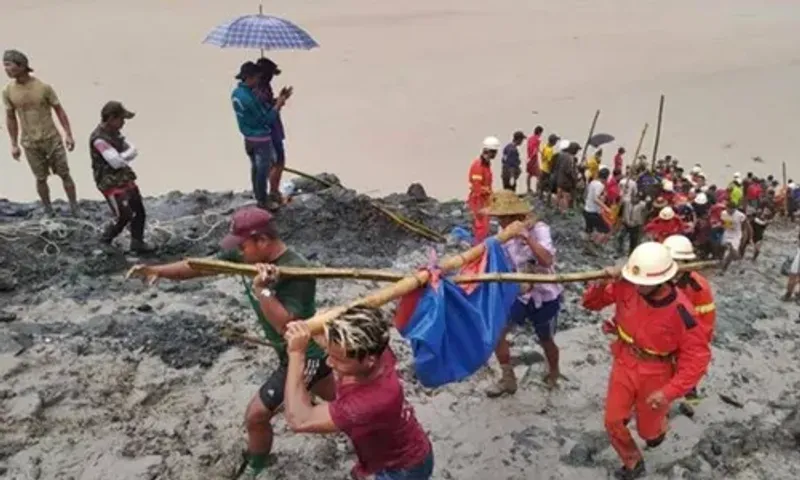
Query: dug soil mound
(102,378)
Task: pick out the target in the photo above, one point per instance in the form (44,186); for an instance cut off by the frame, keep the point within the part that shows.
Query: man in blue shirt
(255,119)
(511,162)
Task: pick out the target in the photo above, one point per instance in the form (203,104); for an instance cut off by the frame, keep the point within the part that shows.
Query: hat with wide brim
(506,203)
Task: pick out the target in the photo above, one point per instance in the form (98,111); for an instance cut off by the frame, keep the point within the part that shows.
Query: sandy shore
(405,92)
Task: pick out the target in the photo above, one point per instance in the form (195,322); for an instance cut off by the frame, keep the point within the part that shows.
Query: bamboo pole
(222,267)
(407,223)
(658,132)
(589,138)
(639,145)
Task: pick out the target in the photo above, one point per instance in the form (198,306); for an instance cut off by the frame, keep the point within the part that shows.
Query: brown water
(404,92)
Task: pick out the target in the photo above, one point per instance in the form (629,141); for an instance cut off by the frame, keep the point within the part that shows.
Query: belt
(707,308)
(643,353)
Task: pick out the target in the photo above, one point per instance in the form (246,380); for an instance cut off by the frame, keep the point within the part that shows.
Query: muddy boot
(625,473)
(506,385)
(139,246)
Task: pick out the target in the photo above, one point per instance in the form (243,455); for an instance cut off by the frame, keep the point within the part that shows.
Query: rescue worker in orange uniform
(660,353)
(480,188)
(698,291)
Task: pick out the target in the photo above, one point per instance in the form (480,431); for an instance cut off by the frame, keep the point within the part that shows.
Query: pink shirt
(525,262)
(380,422)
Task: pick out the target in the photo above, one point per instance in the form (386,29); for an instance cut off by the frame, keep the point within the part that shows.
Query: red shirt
(753,191)
(533,147)
(715,214)
(480,183)
(612,191)
(618,162)
(661,229)
(380,422)
(665,326)
(699,292)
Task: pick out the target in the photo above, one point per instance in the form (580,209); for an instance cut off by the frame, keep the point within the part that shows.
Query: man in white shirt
(111,157)
(736,227)
(596,227)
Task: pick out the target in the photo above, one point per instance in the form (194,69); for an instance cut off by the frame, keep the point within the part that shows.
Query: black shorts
(271,393)
(595,222)
(758,232)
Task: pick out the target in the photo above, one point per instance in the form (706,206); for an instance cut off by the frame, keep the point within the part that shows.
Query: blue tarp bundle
(452,330)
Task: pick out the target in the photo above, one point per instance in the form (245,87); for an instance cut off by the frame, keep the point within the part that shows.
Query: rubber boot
(506,385)
(625,473)
(139,246)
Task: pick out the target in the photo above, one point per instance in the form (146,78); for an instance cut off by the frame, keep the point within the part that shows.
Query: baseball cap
(245,223)
(114,109)
(17,57)
(248,69)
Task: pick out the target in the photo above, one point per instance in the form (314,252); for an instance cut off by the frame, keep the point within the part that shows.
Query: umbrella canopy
(262,32)
(600,139)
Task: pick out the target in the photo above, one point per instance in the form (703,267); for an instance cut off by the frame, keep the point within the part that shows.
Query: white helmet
(649,264)
(667,185)
(491,143)
(666,213)
(737,176)
(701,198)
(562,144)
(680,247)
(696,169)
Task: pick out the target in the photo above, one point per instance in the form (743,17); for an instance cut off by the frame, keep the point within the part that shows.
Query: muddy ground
(101,378)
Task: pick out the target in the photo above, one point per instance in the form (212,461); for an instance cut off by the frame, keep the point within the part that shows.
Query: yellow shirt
(592,167)
(33,102)
(547,158)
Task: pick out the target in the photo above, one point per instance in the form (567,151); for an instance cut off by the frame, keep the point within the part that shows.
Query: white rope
(54,232)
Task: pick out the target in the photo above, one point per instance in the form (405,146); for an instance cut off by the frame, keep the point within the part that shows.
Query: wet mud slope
(101,378)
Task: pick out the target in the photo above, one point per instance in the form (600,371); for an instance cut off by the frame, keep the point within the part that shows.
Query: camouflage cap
(16,57)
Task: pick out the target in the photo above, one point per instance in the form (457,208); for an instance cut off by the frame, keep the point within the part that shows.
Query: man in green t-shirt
(254,239)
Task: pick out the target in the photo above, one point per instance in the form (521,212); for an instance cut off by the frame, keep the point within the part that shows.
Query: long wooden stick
(639,145)
(218,266)
(589,138)
(405,222)
(658,131)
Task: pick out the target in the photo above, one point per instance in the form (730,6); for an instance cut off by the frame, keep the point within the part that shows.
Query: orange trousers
(628,388)
(480,225)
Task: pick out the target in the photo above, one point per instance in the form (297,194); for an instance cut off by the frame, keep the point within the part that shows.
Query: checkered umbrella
(262,32)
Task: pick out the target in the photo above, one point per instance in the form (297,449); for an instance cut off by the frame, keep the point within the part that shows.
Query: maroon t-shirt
(380,423)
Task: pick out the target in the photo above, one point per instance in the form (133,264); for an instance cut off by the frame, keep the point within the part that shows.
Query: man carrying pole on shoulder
(370,406)
(254,239)
(660,352)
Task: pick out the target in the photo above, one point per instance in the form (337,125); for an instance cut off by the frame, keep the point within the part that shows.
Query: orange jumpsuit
(658,347)
(698,291)
(480,192)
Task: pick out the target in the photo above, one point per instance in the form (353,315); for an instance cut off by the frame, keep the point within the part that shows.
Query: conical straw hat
(506,203)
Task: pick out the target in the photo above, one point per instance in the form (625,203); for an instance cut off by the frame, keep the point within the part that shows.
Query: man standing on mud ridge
(480,188)
(532,167)
(254,239)
(254,119)
(511,162)
(266,94)
(660,352)
(370,406)
(30,104)
(111,155)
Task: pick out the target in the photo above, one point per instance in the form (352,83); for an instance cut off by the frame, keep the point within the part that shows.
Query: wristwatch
(265,292)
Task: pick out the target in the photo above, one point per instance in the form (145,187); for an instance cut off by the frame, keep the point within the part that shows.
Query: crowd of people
(345,380)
